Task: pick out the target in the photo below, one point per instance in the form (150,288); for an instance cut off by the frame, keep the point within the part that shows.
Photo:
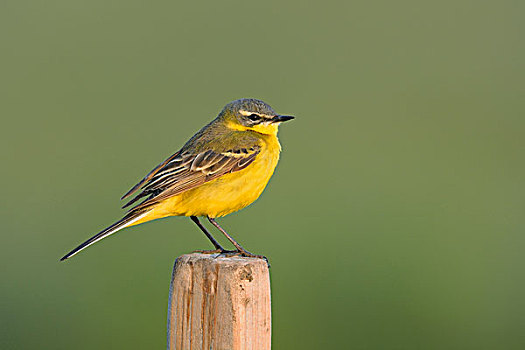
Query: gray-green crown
(248,105)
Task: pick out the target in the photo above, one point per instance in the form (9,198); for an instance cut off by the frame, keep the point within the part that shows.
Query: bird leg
(240,250)
(218,247)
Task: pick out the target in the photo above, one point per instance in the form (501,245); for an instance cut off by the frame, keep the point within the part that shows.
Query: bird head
(251,114)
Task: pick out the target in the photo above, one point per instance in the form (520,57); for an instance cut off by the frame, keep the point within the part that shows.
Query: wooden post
(219,303)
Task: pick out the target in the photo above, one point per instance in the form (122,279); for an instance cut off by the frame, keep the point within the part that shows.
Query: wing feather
(185,170)
(135,188)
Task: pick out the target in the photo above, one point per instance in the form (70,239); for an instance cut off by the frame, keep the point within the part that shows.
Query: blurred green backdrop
(395,219)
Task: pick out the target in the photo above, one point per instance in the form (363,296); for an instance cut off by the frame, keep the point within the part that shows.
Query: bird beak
(281,118)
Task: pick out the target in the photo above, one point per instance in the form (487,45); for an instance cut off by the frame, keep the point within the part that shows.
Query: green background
(395,219)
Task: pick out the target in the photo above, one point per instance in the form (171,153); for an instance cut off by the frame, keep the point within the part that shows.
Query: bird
(223,168)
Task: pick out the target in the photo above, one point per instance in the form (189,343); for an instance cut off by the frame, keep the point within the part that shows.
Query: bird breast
(230,192)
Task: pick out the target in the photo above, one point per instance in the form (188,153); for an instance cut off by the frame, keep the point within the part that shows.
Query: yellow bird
(223,168)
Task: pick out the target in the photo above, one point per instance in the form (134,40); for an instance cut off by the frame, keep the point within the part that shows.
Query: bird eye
(254,117)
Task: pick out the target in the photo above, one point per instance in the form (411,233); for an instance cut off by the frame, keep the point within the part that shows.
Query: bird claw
(247,254)
(215,251)
(228,253)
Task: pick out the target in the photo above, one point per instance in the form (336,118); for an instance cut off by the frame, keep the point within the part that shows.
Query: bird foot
(227,253)
(247,254)
(206,251)
(215,251)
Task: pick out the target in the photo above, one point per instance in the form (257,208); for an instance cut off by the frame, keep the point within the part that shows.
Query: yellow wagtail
(223,168)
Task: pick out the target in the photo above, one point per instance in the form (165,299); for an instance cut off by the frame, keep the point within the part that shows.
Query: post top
(219,259)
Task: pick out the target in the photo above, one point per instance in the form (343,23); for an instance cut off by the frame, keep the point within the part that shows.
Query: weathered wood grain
(219,303)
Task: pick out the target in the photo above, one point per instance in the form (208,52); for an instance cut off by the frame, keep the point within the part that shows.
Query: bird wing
(186,170)
(149,175)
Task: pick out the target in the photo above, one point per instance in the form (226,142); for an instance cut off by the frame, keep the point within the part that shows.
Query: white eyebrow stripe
(247,113)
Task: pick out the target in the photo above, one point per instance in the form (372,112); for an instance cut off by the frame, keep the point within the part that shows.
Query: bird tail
(126,221)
